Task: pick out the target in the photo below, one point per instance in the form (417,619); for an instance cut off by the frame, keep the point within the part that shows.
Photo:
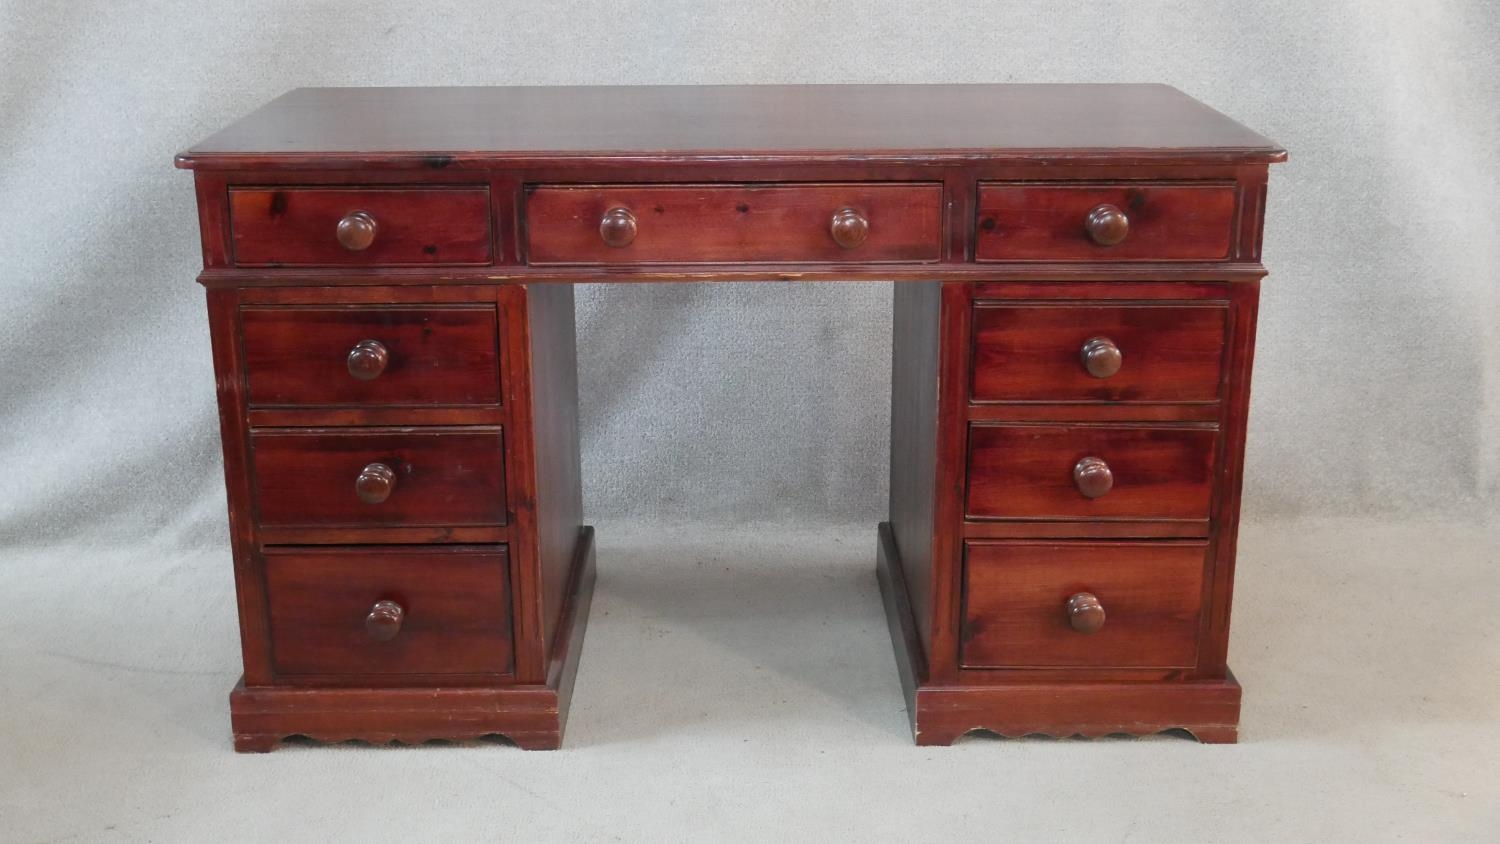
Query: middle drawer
(747,223)
(1090,472)
(379,477)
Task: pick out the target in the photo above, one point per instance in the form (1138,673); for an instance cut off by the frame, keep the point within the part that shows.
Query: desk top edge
(514,126)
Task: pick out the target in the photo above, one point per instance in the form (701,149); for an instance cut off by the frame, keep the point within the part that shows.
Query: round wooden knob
(849,228)
(384,620)
(375,483)
(1107,225)
(1101,357)
(1093,477)
(1085,613)
(368,359)
(617,227)
(356,231)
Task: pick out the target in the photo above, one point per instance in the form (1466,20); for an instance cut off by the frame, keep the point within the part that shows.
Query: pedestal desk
(389,275)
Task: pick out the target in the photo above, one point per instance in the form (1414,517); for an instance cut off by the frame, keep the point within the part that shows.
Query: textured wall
(1378,381)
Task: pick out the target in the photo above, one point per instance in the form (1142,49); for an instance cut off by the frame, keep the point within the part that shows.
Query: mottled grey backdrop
(1377,387)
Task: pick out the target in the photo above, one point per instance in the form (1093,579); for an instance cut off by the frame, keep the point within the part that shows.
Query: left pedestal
(405,510)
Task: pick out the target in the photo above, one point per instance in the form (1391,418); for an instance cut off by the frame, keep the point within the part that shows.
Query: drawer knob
(384,620)
(368,359)
(1085,613)
(617,227)
(1093,477)
(375,483)
(849,228)
(1101,357)
(356,231)
(1107,225)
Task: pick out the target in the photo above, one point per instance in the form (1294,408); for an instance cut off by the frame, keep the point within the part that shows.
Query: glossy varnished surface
(433,127)
(1017,604)
(454,606)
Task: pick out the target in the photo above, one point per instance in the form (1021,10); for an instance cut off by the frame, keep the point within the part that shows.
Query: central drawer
(389,611)
(379,477)
(745,223)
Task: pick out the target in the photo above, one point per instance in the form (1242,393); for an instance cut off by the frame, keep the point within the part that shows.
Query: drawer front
(379,477)
(1118,222)
(1137,605)
(1098,353)
(389,610)
(372,355)
(370,227)
(645,224)
(1090,472)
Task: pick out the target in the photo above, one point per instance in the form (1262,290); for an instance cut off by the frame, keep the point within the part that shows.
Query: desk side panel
(914,407)
(554,402)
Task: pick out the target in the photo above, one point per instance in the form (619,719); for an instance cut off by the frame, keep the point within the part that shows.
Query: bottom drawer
(1082,604)
(389,611)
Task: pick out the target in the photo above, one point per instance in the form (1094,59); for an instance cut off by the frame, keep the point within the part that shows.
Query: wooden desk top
(479,127)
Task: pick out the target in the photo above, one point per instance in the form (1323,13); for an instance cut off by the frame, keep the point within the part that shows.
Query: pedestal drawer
(379,477)
(310,226)
(1137,221)
(771,223)
(1082,604)
(389,611)
(371,355)
(1096,353)
(1090,471)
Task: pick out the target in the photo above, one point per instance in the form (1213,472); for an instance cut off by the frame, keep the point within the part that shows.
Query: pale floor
(740,686)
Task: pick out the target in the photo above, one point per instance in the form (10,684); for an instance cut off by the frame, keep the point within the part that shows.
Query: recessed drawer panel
(1098,353)
(1090,472)
(1082,604)
(1104,222)
(363,226)
(653,224)
(372,355)
(389,611)
(379,477)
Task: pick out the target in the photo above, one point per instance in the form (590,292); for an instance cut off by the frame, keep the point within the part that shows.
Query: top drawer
(360,227)
(1105,222)
(686,224)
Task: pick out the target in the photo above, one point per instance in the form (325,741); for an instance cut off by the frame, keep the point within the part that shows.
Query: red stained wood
(444,476)
(1015,594)
(738,224)
(983,201)
(440,128)
(287,226)
(1026,471)
(299,356)
(456,604)
(1031,352)
(1047,222)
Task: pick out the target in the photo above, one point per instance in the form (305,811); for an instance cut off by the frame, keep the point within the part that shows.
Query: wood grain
(455,603)
(289,226)
(1016,595)
(444,476)
(1050,222)
(299,356)
(762,223)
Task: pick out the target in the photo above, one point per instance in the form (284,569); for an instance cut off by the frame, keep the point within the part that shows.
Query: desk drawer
(379,477)
(1090,472)
(360,227)
(372,355)
(1082,604)
(647,224)
(389,611)
(1105,222)
(1098,353)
